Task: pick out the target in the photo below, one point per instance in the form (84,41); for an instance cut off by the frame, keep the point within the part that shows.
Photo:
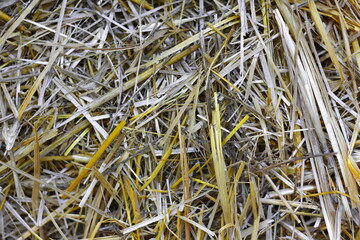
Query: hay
(179,119)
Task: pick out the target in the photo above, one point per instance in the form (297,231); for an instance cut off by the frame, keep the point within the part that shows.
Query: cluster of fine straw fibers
(179,119)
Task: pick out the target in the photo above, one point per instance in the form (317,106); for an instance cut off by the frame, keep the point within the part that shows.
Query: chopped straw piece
(96,156)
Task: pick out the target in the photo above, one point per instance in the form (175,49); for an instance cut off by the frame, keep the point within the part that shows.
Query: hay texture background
(179,119)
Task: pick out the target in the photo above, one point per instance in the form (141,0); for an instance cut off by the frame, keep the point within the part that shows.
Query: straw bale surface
(162,119)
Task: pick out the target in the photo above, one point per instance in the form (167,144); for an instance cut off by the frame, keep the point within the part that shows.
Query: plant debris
(148,119)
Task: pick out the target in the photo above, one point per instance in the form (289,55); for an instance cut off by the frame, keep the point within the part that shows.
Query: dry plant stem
(293,160)
(186,180)
(96,156)
(163,159)
(219,164)
(143,3)
(228,137)
(37,174)
(17,22)
(320,26)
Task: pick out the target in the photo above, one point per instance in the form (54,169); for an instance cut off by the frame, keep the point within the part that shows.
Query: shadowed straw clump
(179,119)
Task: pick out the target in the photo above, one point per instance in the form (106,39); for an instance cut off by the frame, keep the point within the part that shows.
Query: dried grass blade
(37,172)
(325,37)
(181,179)
(227,138)
(55,224)
(21,153)
(143,3)
(356,47)
(36,84)
(254,206)
(219,165)
(201,227)
(186,181)
(74,143)
(21,220)
(9,100)
(105,184)
(161,164)
(47,219)
(18,21)
(80,126)
(282,198)
(96,156)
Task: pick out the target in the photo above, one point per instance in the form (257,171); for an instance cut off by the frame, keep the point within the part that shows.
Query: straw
(138,119)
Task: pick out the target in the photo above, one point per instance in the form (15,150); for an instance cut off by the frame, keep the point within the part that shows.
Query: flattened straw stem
(96,156)
(226,139)
(7,18)
(163,159)
(143,3)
